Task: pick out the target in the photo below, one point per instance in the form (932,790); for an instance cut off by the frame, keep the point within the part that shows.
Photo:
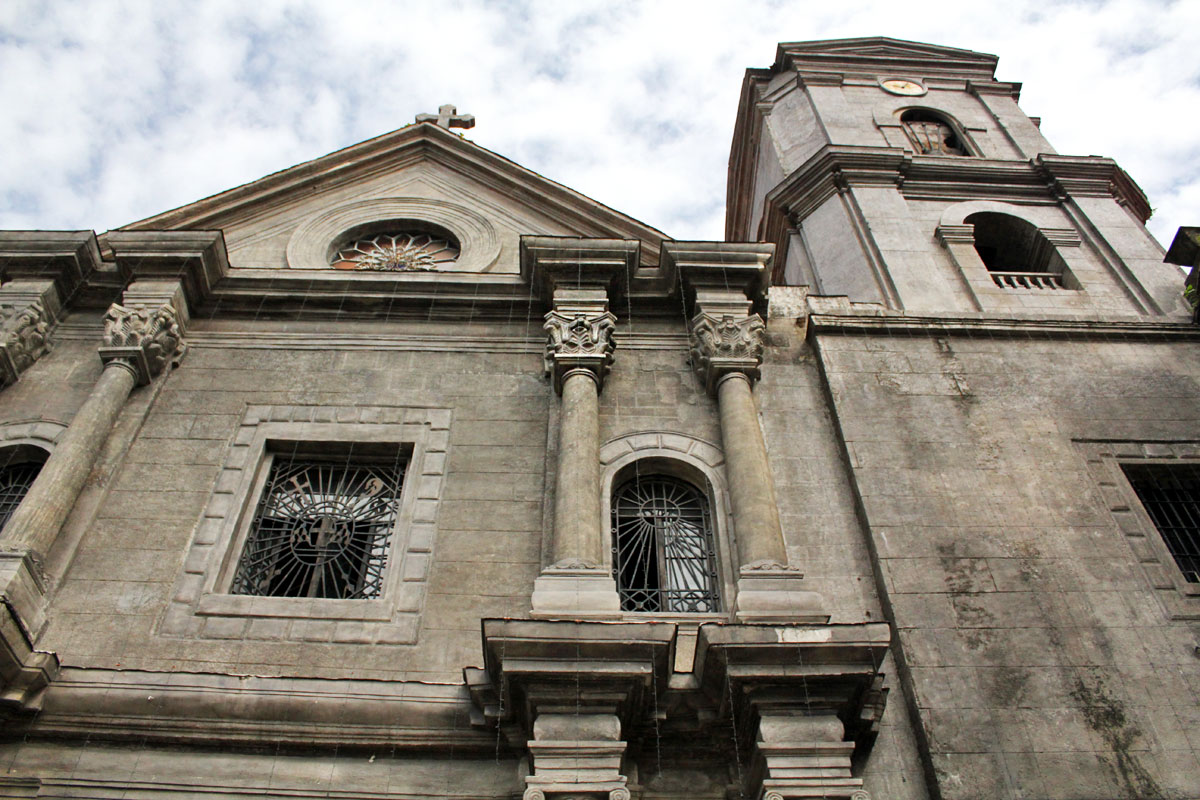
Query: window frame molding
(1180,599)
(202,606)
(957,237)
(700,463)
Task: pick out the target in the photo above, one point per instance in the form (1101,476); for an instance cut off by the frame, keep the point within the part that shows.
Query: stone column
(576,585)
(138,342)
(727,347)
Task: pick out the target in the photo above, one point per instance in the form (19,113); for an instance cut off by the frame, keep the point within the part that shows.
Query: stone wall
(1042,663)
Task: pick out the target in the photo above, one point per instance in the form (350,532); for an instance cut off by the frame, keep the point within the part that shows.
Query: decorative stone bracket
(801,699)
(572,691)
(24,672)
(24,338)
(146,338)
(725,344)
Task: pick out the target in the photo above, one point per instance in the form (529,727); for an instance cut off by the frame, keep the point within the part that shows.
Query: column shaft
(751,487)
(577,531)
(36,522)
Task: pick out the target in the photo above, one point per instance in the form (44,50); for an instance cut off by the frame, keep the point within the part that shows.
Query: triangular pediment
(883,54)
(420,173)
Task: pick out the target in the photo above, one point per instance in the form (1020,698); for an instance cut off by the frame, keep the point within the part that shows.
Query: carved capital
(145,337)
(725,344)
(24,338)
(579,340)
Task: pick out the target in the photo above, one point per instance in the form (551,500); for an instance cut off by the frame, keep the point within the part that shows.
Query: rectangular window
(1170,493)
(322,529)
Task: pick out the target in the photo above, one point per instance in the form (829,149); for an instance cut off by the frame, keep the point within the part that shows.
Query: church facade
(409,473)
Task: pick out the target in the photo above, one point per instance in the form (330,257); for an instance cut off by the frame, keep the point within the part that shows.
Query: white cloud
(115,112)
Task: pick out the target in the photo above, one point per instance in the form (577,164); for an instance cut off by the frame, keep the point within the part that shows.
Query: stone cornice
(1091,176)
(207,708)
(68,258)
(398,148)
(197,259)
(1083,329)
(1001,88)
(884,56)
(568,262)
(742,267)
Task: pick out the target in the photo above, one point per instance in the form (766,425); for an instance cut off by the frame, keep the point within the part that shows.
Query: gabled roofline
(395,149)
(881,55)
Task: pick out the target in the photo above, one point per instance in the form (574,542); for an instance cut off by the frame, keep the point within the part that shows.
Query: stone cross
(448,117)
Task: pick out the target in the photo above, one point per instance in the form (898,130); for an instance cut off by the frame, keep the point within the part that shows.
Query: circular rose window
(397,251)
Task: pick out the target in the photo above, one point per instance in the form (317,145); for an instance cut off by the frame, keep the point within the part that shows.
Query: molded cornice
(195,258)
(990,327)
(68,258)
(883,56)
(393,151)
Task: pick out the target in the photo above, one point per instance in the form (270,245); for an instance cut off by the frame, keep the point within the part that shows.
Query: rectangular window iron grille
(664,558)
(1170,493)
(321,530)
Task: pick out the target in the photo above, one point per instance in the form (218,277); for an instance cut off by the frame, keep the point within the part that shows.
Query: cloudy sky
(114,111)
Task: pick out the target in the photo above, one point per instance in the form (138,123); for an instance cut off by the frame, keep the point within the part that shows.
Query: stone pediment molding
(395,150)
(882,55)
(310,244)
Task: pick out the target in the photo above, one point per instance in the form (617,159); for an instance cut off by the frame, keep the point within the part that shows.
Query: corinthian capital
(725,344)
(579,339)
(145,337)
(24,338)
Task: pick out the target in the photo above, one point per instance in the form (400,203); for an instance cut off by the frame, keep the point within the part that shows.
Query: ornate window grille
(932,135)
(321,530)
(1170,493)
(15,480)
(398,251)
(664,558)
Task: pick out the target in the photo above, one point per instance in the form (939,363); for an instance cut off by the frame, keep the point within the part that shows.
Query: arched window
(664,557)
(1016,253)
(18,467)
(933,134)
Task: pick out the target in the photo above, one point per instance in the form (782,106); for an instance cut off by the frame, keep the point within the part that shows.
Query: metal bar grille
(321,530)
(1170,493)
(15,480)
(663,553)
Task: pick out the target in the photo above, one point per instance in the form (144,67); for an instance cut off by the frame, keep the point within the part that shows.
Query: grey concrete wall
(1042,662)
(109,602)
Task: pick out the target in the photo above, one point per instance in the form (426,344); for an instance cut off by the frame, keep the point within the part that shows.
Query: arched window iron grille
(15,480)
(1170,493)
(664,558)
(932,135)
(321,530)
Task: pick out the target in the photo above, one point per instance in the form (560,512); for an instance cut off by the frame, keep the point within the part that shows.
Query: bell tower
(904,174)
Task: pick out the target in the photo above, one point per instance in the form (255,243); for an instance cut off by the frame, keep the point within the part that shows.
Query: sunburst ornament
(397,252)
